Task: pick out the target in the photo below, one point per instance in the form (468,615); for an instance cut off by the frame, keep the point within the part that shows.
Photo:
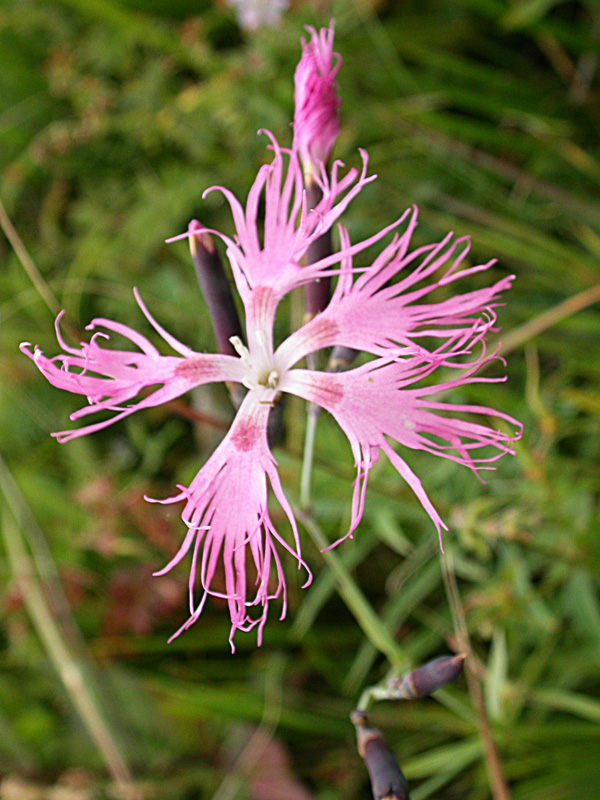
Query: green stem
(373,628)
(27,262)
(309,453)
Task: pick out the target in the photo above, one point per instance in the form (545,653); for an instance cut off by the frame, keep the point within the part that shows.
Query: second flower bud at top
(316,116)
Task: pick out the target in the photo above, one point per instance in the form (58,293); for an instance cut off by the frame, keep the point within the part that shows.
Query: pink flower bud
(316,118)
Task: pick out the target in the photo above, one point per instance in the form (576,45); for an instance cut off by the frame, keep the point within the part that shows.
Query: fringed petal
(376,402)
(110,379)
(228,519)
(386,307)
(274,260)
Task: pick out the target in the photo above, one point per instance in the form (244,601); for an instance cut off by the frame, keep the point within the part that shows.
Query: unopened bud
(316,128)
(215,287)
(424,680)
(218,296)
(387,779)
(317,103)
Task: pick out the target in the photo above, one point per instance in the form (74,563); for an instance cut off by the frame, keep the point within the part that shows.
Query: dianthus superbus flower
(385,310)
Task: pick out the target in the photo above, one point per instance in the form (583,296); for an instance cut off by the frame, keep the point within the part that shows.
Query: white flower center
(260,364)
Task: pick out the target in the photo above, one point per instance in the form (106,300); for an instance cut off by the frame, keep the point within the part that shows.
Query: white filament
(259,361)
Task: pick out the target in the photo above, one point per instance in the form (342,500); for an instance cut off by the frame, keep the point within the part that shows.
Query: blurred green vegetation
(115,115)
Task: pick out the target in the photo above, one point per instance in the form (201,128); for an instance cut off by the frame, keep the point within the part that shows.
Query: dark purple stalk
(318,292)
(216,289)
(341,358)
(218,296)
(387,779)
(217,293)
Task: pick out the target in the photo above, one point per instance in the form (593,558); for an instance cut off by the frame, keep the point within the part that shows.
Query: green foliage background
(114,117)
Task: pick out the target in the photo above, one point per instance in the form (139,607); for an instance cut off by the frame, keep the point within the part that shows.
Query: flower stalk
(215,288)
(316,127)
(317,293)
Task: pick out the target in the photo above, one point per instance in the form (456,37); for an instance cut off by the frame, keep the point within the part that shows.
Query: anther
(241,349)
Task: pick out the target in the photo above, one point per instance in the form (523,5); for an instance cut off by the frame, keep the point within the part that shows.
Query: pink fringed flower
(386,310)
(317,103)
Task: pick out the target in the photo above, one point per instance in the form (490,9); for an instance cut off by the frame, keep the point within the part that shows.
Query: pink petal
(227,515)
(373,403)
(273,260)
(378,314)
(110,379)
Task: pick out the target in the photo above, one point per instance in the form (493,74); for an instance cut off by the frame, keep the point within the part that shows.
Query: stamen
(241,349)
(259,362)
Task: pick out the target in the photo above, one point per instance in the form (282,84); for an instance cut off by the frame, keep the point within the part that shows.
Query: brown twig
(181,409)
(498,782)
(529,330)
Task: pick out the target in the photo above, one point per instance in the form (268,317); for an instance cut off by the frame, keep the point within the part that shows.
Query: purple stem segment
(215,287)
(387,779)
(341,358)
(318,293)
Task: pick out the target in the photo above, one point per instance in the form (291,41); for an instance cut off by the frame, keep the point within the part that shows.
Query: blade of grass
(259,741)
(201,701)
(579,705)
(373,628)
(69,670)
(34,275)
(422,580)
(324,586)
(444,762)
